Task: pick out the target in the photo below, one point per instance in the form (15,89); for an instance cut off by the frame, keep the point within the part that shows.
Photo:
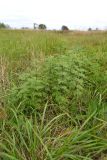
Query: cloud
(54,13)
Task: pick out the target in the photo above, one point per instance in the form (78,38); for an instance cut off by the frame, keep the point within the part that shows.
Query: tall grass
(53,95)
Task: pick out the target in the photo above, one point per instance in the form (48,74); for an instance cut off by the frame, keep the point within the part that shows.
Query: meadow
(53,95)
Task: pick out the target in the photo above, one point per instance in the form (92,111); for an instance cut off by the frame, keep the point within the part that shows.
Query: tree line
(40,27)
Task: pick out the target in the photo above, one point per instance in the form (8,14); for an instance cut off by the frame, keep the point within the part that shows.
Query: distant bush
(25,28)
(4,26)
(89,29)
(42,26)
(97,29)
(64,28)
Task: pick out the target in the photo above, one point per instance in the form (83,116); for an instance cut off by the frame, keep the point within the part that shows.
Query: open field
(53,95)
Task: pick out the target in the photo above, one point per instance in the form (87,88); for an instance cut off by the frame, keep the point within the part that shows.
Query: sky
(76,14)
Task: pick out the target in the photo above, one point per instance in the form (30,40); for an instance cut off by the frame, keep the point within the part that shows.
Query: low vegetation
(53,96)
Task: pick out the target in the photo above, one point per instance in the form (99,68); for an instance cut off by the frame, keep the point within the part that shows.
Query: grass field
(53,95)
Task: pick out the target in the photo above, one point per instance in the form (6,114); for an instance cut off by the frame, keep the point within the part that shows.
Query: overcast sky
(76,14)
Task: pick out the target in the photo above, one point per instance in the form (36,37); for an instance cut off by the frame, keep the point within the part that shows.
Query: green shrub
(59,80)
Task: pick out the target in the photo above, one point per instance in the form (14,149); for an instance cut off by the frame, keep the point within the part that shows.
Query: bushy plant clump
(61,80)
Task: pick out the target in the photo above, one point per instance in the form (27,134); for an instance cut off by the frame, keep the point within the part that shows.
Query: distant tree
(64,28)
(35,25)
(4,26)
(96,29)
(90,29)
(42,26)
